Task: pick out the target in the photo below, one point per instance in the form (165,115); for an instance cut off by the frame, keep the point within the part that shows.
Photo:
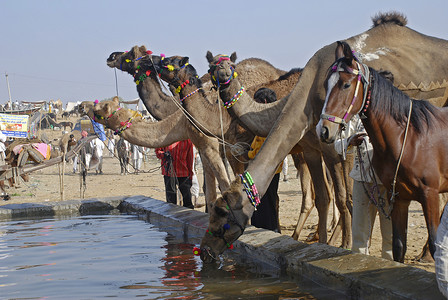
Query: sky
(57,49)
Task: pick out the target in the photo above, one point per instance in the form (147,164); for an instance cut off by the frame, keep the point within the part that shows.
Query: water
(120,256)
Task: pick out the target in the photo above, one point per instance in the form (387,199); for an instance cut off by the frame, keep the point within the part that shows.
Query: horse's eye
(346,85)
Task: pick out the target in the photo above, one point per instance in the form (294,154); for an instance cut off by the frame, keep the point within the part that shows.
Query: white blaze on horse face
(334,78)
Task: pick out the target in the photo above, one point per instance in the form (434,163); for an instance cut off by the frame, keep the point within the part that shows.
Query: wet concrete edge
(355,275)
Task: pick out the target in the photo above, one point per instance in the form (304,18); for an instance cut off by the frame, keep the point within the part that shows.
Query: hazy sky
(58,49)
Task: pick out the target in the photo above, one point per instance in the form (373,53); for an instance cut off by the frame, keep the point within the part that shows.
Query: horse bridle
(363,77)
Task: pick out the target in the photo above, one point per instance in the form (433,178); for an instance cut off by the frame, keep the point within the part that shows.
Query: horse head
(229,216)
(221,68)
(346,85)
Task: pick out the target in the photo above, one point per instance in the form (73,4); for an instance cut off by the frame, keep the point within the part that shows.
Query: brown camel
(222,69)
(162,106)
(421,74)
(177,72)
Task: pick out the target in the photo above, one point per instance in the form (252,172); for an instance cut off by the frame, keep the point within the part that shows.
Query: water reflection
(121,257)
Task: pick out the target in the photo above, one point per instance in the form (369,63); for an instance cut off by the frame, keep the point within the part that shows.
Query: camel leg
(307,194)
(336,168)
(209,151)
(314,161)
(210,186)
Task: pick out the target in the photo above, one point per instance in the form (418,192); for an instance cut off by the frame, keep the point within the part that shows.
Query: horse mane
(390,99)
(389,18)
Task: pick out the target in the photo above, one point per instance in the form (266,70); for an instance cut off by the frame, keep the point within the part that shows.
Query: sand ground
(44,186)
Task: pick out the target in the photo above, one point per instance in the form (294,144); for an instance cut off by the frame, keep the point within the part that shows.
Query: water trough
(357,276)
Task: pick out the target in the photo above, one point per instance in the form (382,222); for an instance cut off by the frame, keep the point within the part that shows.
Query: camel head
(137,62)
(221,68)
(178,72)
(228,217)
(86,108)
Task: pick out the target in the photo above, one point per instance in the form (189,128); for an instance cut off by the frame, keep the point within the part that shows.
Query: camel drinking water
(389,45)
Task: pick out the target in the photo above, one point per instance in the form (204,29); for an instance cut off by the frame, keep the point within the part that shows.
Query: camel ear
(116,100)
(233,57)
(135,50)
(142,49)
(184,61)
(209,57)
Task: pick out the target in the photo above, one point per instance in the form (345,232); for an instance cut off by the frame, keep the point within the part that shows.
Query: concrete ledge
(355,275)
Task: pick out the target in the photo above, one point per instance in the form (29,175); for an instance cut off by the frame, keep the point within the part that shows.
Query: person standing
(177,169)
(137,157)
(98,147)
(365,183)
(267,213)
(86,151)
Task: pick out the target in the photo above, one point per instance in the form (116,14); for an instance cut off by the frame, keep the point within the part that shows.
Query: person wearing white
(2,145)
(441,254)
(137,157)
(111,145)
(194,180)
(97,146)
(285,169)
(364,211)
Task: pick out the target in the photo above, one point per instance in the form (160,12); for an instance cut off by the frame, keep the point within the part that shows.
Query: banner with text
(14,125)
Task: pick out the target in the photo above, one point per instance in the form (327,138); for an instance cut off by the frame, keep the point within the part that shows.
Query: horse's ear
(233,57)
(184,60)
(209,57)
(343,50)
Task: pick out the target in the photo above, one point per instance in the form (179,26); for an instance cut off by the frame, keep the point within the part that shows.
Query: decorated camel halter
(363,77)
(184,84)
(235,98)
(148,52)
(126,124)
(215,80)
(221,234)
(250,189)
(97,116)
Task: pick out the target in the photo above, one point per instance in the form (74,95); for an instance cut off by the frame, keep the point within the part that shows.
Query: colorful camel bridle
(221,233)
(212,69)
(363,77)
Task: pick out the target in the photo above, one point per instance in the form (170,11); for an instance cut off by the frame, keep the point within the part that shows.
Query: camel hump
(390,18)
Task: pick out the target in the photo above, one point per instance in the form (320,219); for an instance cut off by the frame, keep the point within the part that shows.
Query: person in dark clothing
(266,215)
(177,170)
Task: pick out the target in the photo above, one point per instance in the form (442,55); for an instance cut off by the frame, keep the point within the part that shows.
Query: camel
(222,69)
(177,71)
(156,101)
(385,46)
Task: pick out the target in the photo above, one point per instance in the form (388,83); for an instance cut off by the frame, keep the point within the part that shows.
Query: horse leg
(431,210)
(399,228)
(307,194)
(314,160)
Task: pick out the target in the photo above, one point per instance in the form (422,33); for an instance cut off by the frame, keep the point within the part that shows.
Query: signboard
(14,125)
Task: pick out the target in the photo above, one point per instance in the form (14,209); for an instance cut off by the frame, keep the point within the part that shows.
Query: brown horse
(408,138)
